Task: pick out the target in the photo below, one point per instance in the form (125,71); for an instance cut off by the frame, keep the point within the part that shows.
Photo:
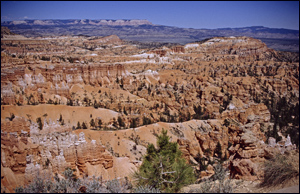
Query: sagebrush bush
(146,189)
(278,170)
(115,186)
(93,186)
(216,184)
(43,183)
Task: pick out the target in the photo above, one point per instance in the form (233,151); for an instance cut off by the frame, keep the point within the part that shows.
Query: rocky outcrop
(160,52)
(58,79)
(249,150)
(54,148)
(178,49)
(237,48)
(212,97)
(248,113)
(6,31)
(7,95)
(28,153)
(88,74)
(17,124)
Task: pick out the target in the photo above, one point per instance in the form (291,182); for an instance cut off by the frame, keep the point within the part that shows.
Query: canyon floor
(94,104)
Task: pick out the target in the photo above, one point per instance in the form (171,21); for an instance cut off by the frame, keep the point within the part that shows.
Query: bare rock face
(248,151)
(18,124)
(74,151)
(58,79)
(248,113)
(8,94)
(214,97)
(178,49)
(245,168)
(54,151)
(208,141)
(88,74)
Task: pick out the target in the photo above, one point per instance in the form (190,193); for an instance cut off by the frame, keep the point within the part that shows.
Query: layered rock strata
(27,153)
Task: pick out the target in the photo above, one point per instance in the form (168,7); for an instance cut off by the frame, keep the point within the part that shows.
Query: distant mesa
(120,22)
(112,39)
(144,31)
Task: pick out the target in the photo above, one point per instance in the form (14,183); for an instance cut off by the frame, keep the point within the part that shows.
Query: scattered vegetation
(47,162)
(199,114)
(39,122)
(146,121)
(12,116)
(84,126)
(121,122)
(62,122)
(44,58)
(285,116)
(217,183)
(45,183)
(226,122)
(78,125)
(279,169)
(133,123)
(218,150)
(92,123)
(146,189)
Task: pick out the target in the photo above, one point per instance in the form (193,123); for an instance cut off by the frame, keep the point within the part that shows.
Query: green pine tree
(164,168)
(92,123)
(84,125)
(218,150)
(121,122)
(99,123)
(39,122)
(78,125)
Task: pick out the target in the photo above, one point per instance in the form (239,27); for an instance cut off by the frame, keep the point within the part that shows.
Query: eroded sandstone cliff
(95,103)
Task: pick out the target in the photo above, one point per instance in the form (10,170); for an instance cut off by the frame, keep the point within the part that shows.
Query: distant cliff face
(62,77)
(83,21)
(145,31)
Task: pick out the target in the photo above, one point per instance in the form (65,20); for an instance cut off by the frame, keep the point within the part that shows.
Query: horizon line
(153,24)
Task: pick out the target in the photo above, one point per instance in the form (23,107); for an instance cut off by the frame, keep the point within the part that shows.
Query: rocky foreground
(95,103)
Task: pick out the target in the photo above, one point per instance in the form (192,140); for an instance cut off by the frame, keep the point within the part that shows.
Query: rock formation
(95,103)
(27,153)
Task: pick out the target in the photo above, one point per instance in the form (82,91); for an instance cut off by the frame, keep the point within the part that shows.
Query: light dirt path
(294,189)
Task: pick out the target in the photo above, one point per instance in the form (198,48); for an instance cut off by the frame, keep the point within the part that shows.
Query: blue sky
(187,14)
